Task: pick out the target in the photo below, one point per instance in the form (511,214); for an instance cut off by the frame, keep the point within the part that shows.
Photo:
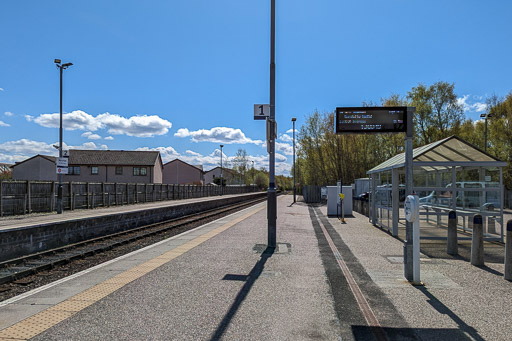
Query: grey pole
(252,181)
(485,140)
(221,182)
(294,190)
(271,194)
(59,191)
(451,244)
(408,245)
(477,242)
(508,252)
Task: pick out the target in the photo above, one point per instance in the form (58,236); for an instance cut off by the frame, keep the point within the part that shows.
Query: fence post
(451,244)
(154,193)
(87,190)
(115,191)
(103,194)
(52,199)
(477,242)
(145,192)
(29,197)
(71,196)
(1,199)
(508,252)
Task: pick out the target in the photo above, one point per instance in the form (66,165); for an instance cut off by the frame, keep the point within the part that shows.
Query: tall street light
(485,116)
(61,68)
(252,181)
(221,182)
(293,122)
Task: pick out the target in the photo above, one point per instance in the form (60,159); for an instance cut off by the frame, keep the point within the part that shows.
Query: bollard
(508,252)
(451,243)
(477,242)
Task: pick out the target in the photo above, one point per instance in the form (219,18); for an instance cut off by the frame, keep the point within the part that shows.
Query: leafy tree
(240,164)
(261,180)
(437,111)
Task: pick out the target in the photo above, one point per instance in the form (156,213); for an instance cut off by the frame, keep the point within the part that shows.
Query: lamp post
(61,68)
(485,116)
(221,182)
(293,122)
(252,181)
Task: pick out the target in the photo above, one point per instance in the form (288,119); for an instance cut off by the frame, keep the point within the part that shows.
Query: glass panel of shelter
(478,191)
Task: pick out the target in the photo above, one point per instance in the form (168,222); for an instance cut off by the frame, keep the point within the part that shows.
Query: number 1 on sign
(261,110)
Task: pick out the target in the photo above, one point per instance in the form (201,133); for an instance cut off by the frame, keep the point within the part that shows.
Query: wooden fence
(24,197)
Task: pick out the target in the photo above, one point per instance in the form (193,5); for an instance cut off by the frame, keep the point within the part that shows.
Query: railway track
(13,272)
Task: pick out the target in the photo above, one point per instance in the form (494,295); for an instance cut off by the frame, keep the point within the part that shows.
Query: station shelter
(449,174)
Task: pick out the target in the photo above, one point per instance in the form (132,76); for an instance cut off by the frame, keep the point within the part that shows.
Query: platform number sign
(261,111)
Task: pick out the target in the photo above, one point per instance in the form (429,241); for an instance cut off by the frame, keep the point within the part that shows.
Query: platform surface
(219,282)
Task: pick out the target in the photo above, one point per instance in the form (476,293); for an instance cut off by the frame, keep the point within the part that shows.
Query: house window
(139,171)
(119,170)
(94,170)
(74,170)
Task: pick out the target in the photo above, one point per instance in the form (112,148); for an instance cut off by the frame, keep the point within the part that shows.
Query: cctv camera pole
(59,191)
(271,194)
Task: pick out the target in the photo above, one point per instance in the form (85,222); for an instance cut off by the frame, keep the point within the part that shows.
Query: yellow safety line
(46,319)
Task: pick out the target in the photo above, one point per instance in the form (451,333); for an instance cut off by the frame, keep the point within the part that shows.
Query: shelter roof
(448,152)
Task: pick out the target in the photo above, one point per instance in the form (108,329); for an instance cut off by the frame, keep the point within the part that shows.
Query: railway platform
(324,281)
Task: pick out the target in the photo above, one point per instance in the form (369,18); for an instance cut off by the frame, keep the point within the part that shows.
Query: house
(230,175)
(39,167)
(95,166)
(180,172)
(114,166)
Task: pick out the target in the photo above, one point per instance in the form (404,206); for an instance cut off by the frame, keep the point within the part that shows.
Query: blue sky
(182,76)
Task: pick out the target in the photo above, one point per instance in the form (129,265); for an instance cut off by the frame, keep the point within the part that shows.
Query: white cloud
(86,145)
(91,136)
(139,126)
(285,138)
(26,147)
(218,135)
(7,158)
(1,89)
(284,148)
(76,120)
(190,152)
(3,124)
(167,153)
(290,131)
(23,149)
(8,113)
(109,138)
(474,107)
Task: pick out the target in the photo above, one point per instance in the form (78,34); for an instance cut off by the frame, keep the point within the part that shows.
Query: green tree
(438,114)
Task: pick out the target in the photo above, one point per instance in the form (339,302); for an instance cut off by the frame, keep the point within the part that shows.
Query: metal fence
(312,194)
(24,197)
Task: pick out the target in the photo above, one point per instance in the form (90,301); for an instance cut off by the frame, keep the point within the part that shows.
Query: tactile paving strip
(46,319)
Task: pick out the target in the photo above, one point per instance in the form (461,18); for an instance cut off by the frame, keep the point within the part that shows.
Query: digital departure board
(371,120)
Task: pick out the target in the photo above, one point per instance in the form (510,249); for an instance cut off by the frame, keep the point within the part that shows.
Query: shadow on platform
(249,279)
